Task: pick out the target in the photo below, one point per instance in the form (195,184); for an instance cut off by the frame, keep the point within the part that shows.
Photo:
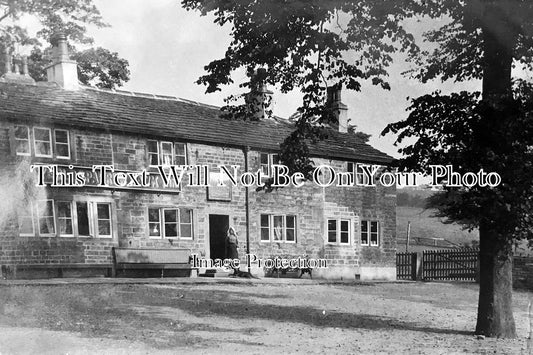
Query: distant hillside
(413,196)
(424,225)
(425,228)
(428,232)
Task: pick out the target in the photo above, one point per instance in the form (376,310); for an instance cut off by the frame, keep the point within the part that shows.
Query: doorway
(218,227)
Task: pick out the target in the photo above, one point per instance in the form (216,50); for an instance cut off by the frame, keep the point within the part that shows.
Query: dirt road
(248,317)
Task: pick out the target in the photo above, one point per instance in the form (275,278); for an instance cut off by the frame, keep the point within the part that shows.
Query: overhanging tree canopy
(98,67)
(310,45)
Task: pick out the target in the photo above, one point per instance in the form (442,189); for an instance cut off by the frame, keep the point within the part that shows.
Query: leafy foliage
(69,16)
(101,68)
(303,45)
(96,66)
(306,45)
(470,134)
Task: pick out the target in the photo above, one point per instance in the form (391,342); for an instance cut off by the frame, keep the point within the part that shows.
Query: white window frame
(349,231)
(51,155)
(28,208)
(53,218)
(328,230)
(359,177)
(60,218)
(159,145)
(161,153)
(181,237)
(176,155)
(61,143)
(97,219)
(179,223)
(271,228)
(268,228)
(294,228)
(20,139)
(90,214)
(369,232)
(270,159)
(338,231)
(152,153)
(159,219)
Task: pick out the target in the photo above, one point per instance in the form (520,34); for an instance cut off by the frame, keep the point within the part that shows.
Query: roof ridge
(149,96)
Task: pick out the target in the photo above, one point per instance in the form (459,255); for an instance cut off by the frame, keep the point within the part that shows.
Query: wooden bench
(173,262)
(40,271)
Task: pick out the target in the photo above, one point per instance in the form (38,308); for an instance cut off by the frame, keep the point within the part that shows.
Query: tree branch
(6,14)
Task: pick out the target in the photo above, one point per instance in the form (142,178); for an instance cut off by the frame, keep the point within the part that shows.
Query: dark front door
(218,227)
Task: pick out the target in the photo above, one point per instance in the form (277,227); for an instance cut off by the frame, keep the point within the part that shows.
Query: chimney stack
(259,97)
(63,71)
(12,68)
(340,110)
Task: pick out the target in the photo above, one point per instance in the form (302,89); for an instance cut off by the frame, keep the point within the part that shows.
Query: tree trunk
(495,312)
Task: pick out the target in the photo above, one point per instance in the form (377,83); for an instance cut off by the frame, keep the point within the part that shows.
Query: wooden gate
(406,266)
(455,265)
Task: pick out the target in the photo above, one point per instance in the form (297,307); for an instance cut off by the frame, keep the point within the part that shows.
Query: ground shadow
(154,315)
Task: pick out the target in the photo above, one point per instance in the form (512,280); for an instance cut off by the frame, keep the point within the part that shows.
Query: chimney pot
(259,97)
(60,47)
(13,74)
(25,65)
(340,110)
(63,70)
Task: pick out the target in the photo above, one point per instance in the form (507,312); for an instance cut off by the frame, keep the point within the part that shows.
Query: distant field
(424,225)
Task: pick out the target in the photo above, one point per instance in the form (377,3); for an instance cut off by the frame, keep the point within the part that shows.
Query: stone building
(63,123)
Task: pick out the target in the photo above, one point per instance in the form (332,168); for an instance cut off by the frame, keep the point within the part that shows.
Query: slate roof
(163,117)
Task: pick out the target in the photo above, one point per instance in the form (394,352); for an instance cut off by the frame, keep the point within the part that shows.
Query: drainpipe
(246,149)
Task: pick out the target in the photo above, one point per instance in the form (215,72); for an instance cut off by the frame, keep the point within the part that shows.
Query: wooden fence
(406,266)
(456,265)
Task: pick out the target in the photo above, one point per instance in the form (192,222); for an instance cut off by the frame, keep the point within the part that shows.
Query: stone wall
(312,205)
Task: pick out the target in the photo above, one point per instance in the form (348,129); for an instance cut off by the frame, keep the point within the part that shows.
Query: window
(82,216)
(92,219)
(62,144)
(153,153)
(64,218)
(369,233)
(278,228)
(68,219)
(170,223)
(46,217)
(267,160)
(103,219)
(339,231)
(290,229)
(185,224)
(180,154)
(166,153)
(25,219)
(332,230)
(42,142)
(154,222)
(265,228)
(22,140)
(360,177)
(345,232)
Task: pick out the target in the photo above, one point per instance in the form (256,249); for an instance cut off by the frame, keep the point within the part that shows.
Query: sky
(167,48)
